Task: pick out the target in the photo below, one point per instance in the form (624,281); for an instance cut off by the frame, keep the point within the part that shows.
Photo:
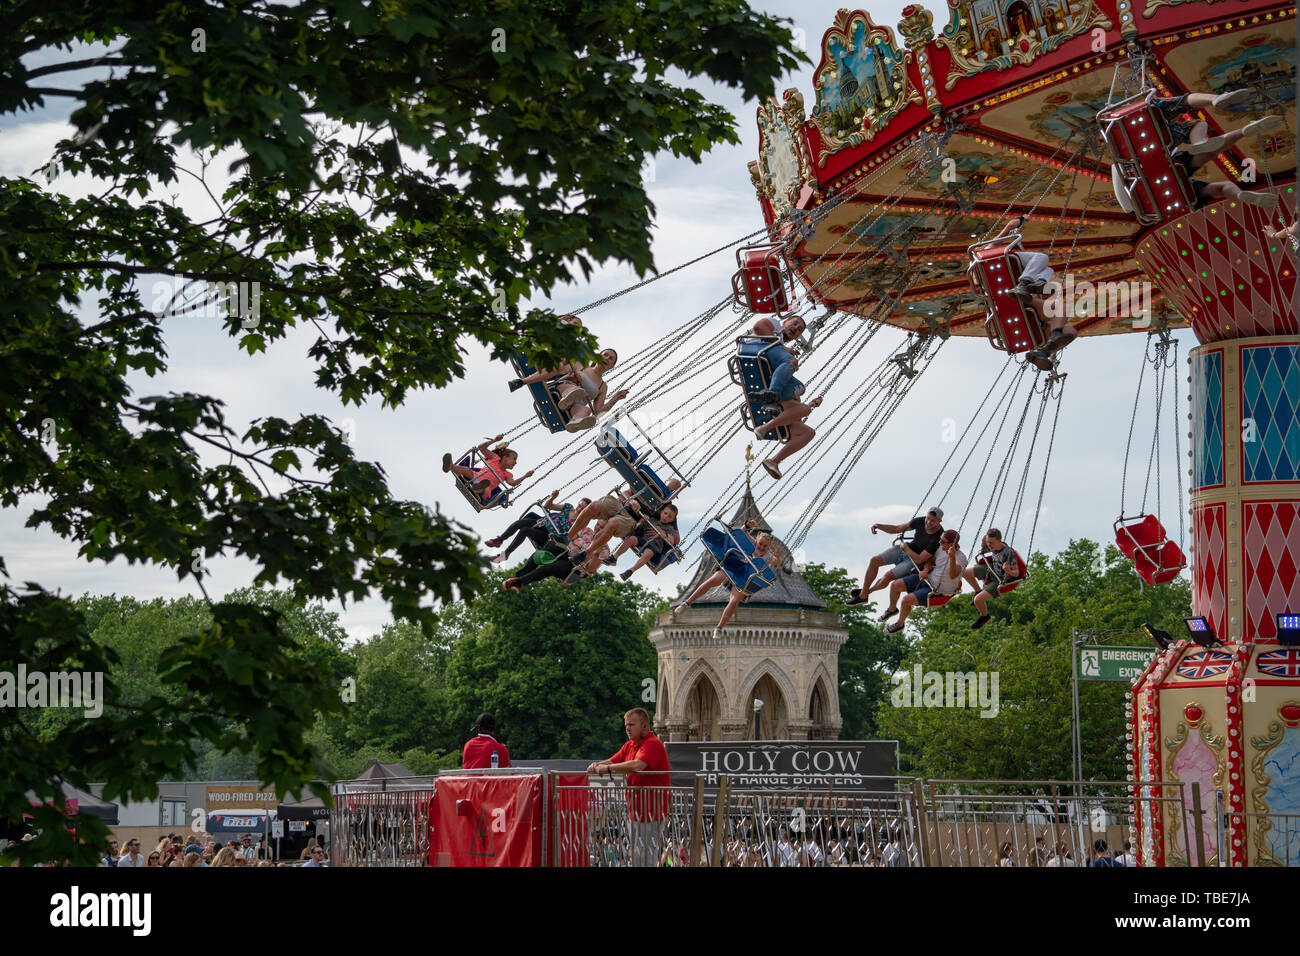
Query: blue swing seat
(544,397)
(751,370)
(670,556)
(733,549)
(623,458)
(498,498)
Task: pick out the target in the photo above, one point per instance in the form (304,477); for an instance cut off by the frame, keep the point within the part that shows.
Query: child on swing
(762,545)
(497,463)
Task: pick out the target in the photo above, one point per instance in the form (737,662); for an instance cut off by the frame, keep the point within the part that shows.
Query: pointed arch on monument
(794,701)
(687,684)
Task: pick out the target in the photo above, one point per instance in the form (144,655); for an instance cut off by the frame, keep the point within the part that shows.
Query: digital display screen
(1197,624)
(1288,622)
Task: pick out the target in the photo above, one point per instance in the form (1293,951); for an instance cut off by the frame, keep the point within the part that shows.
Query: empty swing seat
(498,498)
(1012,325)
(544,396)
(1141,147)
(751,370)
(1145,542)
(760,284)
(646,486)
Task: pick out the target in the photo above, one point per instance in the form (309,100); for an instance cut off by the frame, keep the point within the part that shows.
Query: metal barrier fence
(612,825)
(380,827)
(1046,823)
(900,821)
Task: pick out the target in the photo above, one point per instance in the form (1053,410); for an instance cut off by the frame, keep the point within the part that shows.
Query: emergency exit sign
(1113,663)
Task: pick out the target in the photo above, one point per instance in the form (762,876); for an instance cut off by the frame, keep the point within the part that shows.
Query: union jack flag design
(1279,663)
(1202,664)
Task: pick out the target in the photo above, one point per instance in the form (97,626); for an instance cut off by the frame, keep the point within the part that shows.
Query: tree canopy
(1028,644)
(403,176)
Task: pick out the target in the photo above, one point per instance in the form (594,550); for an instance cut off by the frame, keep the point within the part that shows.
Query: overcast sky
(699,207)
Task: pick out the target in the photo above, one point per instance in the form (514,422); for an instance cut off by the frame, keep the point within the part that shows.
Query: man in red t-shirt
(479,750)
(645,761)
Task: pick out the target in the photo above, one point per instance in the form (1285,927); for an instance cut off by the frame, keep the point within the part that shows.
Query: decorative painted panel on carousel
(1218,267)
(1210,565)
(1207,418)
(1271,548)
(1270,396)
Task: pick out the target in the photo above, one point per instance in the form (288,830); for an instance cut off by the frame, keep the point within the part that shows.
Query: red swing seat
(938,600)
(1010,586)
(1144,541)
(1012,325)
(1141,148)
(761,284)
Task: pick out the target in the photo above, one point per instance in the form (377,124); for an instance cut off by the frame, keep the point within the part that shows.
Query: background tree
(401,175)
(558,666)
(868,658)
(1028,644)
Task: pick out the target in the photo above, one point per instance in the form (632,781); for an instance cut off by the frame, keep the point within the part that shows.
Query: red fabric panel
(486,821)
(571,826)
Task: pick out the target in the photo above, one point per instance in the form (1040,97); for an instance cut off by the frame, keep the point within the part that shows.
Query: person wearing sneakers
(781,398)
(904,557)
(562,560)
(1001,566)
(944,579)
(536,528)
(616,521)
(657,536)
(762,545)
(1176,107)
(583,393)
(1035,273)
(496,469)
(1192,156)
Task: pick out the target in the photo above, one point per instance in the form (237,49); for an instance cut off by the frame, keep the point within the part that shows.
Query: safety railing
(380,827)
(713,821)
(611,824)
(1045,823)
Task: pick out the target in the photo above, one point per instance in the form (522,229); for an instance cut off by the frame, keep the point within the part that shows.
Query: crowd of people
(202,850)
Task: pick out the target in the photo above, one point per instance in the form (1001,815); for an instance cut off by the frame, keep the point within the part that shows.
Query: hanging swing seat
(1012,325)
(646,486)
(733,549)
(761,284)
(1144,541)
(498,498)
(1141,148)
(939,600)
(1008,586)
(752,371)
(669,556)
(545,396)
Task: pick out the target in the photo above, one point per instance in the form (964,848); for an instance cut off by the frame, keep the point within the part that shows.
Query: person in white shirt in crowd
(784,850)
(944,578)
(132,856)
(1061,857)
(1128,857)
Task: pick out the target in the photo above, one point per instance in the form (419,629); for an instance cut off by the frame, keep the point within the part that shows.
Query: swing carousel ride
(932,161)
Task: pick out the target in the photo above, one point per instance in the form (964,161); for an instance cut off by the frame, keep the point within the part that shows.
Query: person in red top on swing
(645,761)
(478,751)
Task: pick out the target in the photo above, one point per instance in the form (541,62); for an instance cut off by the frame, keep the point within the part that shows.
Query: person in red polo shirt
(478,751)
(645,761)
